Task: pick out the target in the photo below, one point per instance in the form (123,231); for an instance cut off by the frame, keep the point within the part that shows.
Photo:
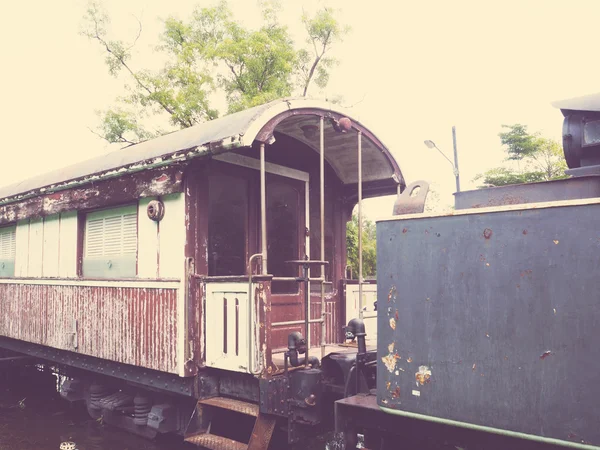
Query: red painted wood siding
(132,325)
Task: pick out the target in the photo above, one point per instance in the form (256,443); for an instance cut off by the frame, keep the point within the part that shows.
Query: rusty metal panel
(514,194)
(131,325)
(491,319)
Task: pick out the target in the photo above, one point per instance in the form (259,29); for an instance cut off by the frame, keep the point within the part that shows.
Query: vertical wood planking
(67,263)
(22,249)
(130,325)
(172,237)
(36,247)
(147,242)
(51,246)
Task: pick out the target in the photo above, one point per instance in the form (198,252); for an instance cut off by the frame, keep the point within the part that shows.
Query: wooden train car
(171,271)
(488,316)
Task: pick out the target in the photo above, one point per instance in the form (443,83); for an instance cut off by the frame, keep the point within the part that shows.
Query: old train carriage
(488,317)
(176,269)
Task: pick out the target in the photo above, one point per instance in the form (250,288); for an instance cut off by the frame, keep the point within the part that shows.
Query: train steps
(218,413)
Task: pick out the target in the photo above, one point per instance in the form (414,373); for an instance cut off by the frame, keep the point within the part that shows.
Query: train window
(227,220)
(110,243)
(591,133)
(7,251)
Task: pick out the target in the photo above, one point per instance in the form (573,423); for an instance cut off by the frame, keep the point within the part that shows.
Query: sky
(410,70)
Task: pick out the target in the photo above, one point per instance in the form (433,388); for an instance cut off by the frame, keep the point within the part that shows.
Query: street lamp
(431,144)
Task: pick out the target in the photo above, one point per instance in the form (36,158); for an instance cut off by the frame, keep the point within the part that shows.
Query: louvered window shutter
(7,251)
(110,249)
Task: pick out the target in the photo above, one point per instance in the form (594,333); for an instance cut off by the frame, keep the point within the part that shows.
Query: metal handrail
(251,315)
(295,322)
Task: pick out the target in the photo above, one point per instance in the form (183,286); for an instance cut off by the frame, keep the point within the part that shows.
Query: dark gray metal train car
(489,317)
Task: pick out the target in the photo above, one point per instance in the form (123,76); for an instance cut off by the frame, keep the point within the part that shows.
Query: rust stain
(387,385)
(392,294)
(392,323)
(526,273)
(524,232)
(390,362)
(423,376)
(396,315)
(396,393)
(405,230)
(487,233)
(545,354)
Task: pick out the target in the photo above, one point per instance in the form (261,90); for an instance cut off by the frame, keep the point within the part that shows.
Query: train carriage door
(287,239)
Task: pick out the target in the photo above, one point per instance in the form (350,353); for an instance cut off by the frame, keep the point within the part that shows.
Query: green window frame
(8,245)
(111,243)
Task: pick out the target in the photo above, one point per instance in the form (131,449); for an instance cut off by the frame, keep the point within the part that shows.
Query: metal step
(250,409)
(214,442)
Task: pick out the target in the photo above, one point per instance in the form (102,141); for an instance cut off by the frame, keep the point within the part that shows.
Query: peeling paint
(423,376)
(392,294)
(390,362)
(392,323)
(136,326)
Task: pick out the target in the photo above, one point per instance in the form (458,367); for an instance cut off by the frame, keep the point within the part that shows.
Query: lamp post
(431,144)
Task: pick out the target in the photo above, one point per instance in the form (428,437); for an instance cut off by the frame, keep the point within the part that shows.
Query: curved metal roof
(232,131)
(585,103)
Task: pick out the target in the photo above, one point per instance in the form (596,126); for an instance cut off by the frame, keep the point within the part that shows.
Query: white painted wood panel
(67,253)
(36,247)
(231,328)
(147,242)
(51,245)
(172,237)
(22,249)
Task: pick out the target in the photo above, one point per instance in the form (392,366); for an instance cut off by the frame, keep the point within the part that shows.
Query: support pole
(263,209)
(360,229)
(456,173)
(307,251)
(322,204)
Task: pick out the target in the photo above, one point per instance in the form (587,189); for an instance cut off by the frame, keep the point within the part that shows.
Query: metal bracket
(412,200)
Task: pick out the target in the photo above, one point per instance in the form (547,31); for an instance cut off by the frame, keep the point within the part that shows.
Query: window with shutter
(7,251)
(110,243)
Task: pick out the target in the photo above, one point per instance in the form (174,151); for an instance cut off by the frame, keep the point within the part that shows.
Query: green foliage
(519,143)
(211,54)
(539,159)
(502,176)
(369,247)
(323,31)
(116,125)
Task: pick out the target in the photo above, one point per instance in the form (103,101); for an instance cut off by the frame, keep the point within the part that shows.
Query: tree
(369,247)
(530,157)
(211,54)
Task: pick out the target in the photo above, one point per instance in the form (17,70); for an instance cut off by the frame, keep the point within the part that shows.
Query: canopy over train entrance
(297,118)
